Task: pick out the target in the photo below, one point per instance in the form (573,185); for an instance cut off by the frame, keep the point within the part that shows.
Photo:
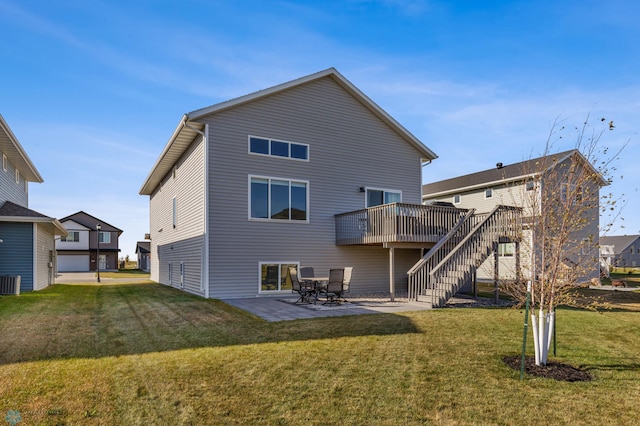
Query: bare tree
(563,207)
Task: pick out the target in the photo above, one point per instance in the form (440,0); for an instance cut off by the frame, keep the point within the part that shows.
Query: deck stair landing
(453,261)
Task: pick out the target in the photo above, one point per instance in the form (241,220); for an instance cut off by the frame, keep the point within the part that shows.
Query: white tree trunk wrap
(543,325)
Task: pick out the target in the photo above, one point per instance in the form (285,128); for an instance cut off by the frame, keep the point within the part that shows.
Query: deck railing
(396,222)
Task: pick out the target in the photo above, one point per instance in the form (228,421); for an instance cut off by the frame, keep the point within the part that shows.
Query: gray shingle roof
(143,247)
(10,209)
(511,172)
(619,243)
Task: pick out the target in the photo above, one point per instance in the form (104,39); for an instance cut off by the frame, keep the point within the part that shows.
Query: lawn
(148,354)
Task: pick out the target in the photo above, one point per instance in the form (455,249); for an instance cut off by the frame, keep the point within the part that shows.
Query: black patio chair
(304,289)
(333,289)
(306,273)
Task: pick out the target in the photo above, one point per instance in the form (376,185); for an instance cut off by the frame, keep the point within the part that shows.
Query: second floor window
(456,199)
(104,237)
(73,237)
(488,193)
(278,199)
(275,148)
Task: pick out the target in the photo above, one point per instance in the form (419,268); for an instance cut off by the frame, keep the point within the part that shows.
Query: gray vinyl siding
(16,252)
(190,253)
(44,248)
(9,189)
(187,187)
(348,148)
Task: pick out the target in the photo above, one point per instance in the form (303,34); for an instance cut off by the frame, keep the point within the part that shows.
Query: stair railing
(455,269)
(418,273)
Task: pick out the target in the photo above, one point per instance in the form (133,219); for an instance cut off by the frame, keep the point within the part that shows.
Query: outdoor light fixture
(98,227)
(362,189)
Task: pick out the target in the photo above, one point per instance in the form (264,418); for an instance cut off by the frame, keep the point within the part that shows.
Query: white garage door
(73,263)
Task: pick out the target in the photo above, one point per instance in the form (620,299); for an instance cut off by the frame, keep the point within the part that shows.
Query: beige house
(532,185)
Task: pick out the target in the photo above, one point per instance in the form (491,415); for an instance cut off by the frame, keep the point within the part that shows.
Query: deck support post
(392,289)
(496,272)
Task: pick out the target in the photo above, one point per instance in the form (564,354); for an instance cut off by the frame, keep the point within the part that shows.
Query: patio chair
(346,282)
(306,273)
(304,289)
(333,290)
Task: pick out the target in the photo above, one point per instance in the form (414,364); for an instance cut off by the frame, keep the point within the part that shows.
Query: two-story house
(26,236)
(90,243)
(307,173)
(624,251)
(534,185)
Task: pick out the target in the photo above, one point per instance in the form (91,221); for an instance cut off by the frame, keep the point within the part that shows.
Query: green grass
(148,354)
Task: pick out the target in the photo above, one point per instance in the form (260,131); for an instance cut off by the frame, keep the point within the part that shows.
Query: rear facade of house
(257,182)
(26,236)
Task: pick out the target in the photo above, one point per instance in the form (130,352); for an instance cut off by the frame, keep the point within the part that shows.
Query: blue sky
(93,90)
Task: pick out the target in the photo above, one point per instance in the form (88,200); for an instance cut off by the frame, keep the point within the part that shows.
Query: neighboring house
(511,185)
(308,173)
(621,251)
(26,236)
(143,249)
(78,251)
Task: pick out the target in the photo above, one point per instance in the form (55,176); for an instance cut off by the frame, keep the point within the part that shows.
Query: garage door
(73,263)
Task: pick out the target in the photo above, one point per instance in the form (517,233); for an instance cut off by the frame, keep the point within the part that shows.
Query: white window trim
(485,193)
(278,156)
(181,274)
(275,262)
(17,176)
(371,188)
(459,199)
(258,219)
(170,273)
(4,162)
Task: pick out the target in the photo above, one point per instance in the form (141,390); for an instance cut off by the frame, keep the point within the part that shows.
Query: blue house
(27,238)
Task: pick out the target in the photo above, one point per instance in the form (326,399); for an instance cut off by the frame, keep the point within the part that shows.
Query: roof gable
(189,127)
(143,247)
(620,243)
(85,219)
(504,174)
(72,225)
(10,146)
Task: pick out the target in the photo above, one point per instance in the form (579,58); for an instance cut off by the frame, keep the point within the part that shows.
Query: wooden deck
(397,223)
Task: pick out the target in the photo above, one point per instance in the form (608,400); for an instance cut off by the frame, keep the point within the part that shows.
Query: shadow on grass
(92,321)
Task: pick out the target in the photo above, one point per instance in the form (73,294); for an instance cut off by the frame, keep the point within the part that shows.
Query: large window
(274,275)
(278,199)
(275,148)
(376,197)
(73,237)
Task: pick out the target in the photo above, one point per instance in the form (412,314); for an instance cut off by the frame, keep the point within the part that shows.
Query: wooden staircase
(453,261)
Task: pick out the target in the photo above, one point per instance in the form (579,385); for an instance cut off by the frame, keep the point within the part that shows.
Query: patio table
(318,284)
